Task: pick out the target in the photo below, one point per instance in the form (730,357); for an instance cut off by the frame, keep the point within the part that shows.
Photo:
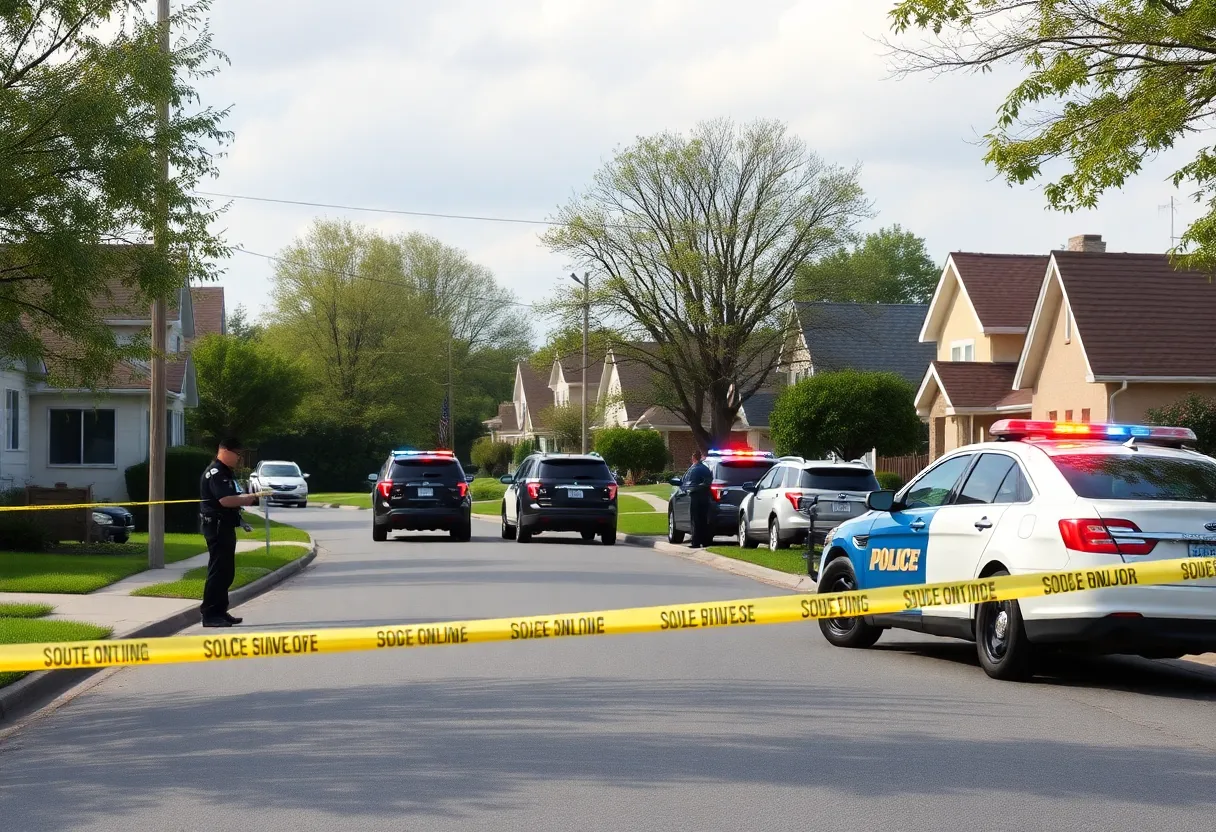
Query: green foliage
(1104,86)
(482,489)
(522,450)
(568,341)
(249,567)
(889,480)
(183,468)
(25,610)
(80,190)
(888,266)
(635,452)
(244,389)
(19,531)
(1195,412)
(492,458)
(705,276)
(846,413)
(565,424)
(240,327)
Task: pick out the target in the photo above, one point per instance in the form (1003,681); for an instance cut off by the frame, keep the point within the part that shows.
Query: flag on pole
(444,424)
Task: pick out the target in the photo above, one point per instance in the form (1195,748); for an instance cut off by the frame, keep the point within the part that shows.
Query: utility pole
(159,391)
(451,403)
(586,284)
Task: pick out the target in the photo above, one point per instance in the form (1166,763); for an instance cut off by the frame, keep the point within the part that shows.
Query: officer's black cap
(232,444)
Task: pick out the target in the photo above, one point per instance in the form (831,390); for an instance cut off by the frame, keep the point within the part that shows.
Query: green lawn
(486,488)
(629,505)
(27,630)
(279,532)
(783,560)
(249,567)
(489,508)
(340,498)
(654,523)
(661,490)
(24,610)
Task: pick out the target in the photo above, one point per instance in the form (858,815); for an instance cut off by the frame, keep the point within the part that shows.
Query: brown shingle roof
(976,384)
(208,302)
(1138,316)
(537,394)
(1003,287)
(506,419)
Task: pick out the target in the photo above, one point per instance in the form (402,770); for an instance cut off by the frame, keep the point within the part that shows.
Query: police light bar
(423,453)
(1019,428)
(740,453)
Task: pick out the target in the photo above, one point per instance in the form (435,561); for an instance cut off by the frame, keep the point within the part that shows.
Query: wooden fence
(906,466)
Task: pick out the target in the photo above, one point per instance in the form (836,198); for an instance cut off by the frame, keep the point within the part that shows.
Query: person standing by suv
(220,513)
(697,481)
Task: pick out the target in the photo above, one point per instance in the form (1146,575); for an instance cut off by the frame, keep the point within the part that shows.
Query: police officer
(220,514)
(697,481)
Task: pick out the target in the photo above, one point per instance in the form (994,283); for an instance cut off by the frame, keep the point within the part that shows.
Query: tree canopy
(80,190)
(1106,84)
(244,389)
(693,241)
(890,265)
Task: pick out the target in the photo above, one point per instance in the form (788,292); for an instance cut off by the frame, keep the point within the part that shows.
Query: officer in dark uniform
(220,514)
(697,481)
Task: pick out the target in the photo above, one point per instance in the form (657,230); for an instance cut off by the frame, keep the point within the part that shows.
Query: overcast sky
(499,108)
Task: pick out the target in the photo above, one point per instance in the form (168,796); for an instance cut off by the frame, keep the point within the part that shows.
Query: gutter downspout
(1110,406)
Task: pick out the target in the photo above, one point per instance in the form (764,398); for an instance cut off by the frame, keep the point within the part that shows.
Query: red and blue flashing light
(740,453)
(1022,428)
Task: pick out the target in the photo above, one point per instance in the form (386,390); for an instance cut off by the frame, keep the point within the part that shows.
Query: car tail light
(795,499)
(716,489)
(534,490)
(612,491)
(384,487)
(463,488)
(1093,535)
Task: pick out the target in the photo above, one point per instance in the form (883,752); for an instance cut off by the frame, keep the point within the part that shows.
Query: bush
(486,489)
(183,467)
(846,413)
(492,458)
(522,450)
(634,452)
(889,480)
(1195,412)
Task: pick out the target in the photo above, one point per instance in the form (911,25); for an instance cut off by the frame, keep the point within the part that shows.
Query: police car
(421,490)
(1042,496)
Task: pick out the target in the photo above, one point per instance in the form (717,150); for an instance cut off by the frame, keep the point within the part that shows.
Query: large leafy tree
(80,84)
(890,265)
(244,389)
(1106,85)
(693,241)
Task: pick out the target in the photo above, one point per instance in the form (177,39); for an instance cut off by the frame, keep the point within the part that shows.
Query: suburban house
(978,319)
(83,437)
(1077,335)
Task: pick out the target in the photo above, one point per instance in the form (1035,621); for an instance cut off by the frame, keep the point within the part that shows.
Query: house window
(1067,415)
(1085,414)
(12,420)
(962,350)
(177,343)
(1067,325)
(1051,415)
(81,437)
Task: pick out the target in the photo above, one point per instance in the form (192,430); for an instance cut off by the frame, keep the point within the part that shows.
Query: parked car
(772,509)
(731,470)
(421,491)
(112,524)
(283,479)
(560,493)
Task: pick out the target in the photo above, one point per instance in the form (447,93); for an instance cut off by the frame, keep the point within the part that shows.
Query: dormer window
(962,350)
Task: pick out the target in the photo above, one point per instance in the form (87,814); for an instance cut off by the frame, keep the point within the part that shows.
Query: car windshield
(839,479)
(575,469)
(1119,477)
(427,469)
(739,472)
(283,469)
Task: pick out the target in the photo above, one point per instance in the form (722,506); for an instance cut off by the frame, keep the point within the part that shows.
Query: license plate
(426,492)
(1201,550)
(840,508)
(575,495)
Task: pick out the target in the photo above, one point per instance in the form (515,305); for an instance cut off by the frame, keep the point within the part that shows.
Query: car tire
(522,534)
(845,632)
(1000,640)
(463,532)
(508,531)
(674,535)
(587,534)
(123,538)
(304,504)
(608,536)
(379,533)
(745,539)
(774,535)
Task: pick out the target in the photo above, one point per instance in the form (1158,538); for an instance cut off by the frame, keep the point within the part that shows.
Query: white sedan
(282,481)
(1044,496)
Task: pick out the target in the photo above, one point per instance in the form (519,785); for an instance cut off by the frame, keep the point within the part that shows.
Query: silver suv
(770,511)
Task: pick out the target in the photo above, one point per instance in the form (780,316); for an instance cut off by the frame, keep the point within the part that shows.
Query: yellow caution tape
(745,613)
(123,505)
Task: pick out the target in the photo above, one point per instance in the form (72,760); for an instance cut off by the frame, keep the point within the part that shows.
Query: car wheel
(1000,640)
(463,532)
(745,540)
(587,534)
(304,504)
(379,533)
(774,535)
(522,535)
(608,536)
(674,535)
(845,632)
(508,531)
(121,538)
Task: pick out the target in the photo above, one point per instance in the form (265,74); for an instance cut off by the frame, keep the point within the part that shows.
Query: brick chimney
(1087,242)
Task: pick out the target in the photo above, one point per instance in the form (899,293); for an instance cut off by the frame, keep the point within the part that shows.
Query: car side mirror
(470,477)
(306,476)
(880,500)
(749,487)
(676,481)
(506,479)
(373,477)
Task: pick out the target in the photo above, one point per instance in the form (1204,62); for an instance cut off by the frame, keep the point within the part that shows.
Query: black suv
(560,493)
(421,490)
(731,469)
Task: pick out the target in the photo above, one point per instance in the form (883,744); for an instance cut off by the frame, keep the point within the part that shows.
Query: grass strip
(25,610)
(783,560)
(342,498)
(249,567)
(28,630)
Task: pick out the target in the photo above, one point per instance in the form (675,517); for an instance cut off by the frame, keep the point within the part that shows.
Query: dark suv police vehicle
(421,490)
(731,469)
(560,493)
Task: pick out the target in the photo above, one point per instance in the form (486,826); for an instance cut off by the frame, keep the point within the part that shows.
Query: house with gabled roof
(870,337)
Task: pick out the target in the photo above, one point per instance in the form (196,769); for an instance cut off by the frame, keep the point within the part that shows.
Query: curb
(39,688)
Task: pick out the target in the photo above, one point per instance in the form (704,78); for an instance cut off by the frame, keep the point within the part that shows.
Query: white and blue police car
(1042,496)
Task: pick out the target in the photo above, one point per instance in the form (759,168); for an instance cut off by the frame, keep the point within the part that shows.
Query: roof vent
(1087,242)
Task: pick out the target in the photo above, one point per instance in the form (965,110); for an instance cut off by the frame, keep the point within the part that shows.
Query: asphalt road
(765,729)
